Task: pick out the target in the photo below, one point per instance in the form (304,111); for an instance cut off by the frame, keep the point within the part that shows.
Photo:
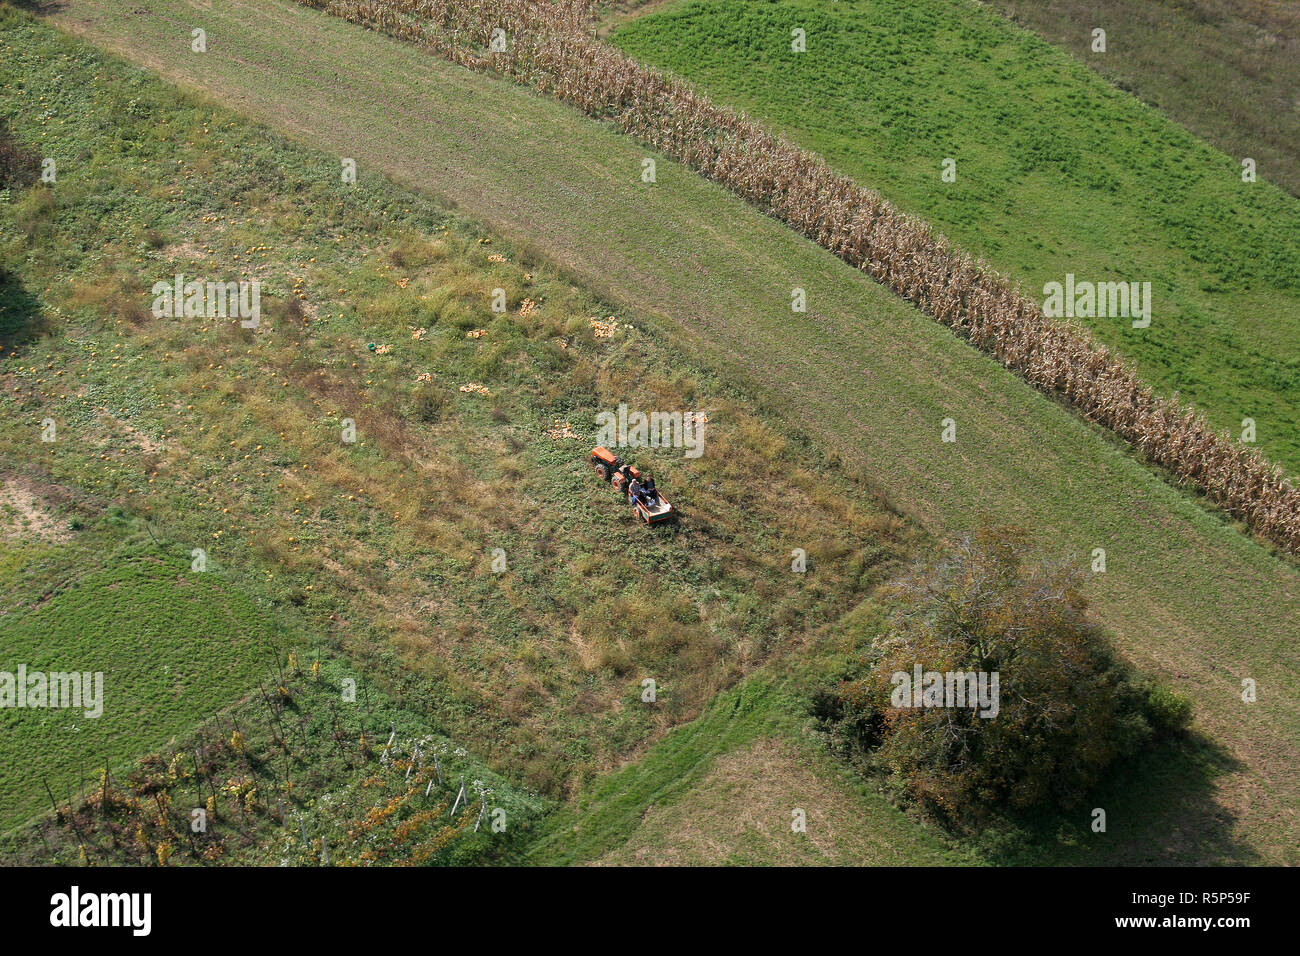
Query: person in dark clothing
(649,488)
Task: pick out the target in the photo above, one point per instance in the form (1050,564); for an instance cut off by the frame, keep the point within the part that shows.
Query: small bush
(1168,712)
(34,216)
(413,252)
(430,405)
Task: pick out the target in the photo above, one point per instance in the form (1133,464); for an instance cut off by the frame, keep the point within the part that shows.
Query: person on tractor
(634,491)
(645,494)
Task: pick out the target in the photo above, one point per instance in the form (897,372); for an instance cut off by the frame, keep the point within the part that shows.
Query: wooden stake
(459,795)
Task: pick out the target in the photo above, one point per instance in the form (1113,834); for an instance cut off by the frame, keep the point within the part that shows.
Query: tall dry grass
(553,48)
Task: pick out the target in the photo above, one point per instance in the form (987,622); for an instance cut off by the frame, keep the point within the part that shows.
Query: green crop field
(1057,172)
(824,434)
(301,788)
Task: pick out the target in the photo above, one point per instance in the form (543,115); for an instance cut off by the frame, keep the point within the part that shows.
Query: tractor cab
(605,463)
(613,469)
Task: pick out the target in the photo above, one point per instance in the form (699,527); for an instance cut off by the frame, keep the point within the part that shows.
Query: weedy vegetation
(471,432)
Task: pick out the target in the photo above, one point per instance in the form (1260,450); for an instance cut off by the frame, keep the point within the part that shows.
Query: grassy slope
(230,439)
(722,789)
(1228,70)
(1057,172)
(1185,593)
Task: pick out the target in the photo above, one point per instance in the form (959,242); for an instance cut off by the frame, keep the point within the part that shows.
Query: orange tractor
(647,504)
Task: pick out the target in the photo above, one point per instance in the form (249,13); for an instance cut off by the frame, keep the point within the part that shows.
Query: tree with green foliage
(1022,701)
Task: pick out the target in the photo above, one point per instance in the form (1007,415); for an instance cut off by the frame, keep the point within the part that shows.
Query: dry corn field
(553,48)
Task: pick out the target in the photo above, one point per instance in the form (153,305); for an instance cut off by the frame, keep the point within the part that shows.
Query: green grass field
(1056,172)
(723,790)
(395,534)
(1228,70)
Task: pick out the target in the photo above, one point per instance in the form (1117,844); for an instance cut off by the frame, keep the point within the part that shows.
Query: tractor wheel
(601,469)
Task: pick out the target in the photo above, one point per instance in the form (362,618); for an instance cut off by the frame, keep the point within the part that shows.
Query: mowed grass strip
(1057,172)
(1187,594)
(555,53)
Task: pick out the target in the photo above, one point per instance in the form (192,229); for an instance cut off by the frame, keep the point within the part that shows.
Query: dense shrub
(1064,708)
